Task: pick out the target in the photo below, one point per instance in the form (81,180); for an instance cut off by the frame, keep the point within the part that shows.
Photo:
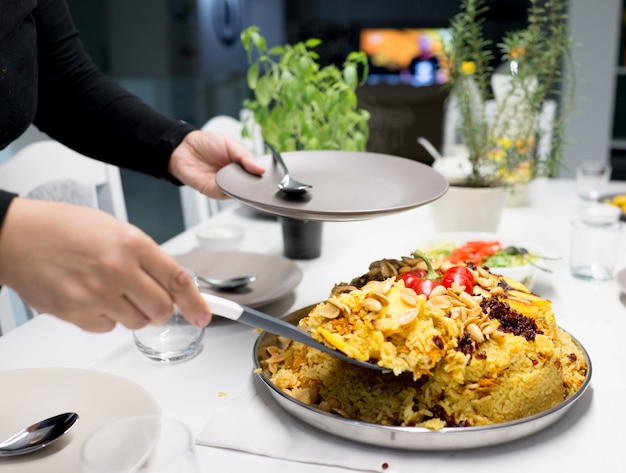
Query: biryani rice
(442,377)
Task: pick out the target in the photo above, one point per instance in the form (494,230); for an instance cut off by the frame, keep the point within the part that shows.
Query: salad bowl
(504,255)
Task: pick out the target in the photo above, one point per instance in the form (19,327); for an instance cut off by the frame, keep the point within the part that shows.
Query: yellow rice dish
(484,355)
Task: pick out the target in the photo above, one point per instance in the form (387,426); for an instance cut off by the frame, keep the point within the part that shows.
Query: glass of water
(176,340)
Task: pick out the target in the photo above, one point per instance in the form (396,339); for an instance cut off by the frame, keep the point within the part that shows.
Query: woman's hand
(201,154)
(88,268)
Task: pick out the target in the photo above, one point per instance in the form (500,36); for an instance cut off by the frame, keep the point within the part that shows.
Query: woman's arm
(85,110)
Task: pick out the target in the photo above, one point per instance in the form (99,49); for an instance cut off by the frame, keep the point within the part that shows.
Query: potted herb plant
(502,140)
(299,104)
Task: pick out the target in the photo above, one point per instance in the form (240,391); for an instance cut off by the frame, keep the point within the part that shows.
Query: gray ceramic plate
(276,276)
(411,438)
(346,185)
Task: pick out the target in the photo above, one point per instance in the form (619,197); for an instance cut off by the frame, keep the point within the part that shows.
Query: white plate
(29,395)
(276,276)
(347,185)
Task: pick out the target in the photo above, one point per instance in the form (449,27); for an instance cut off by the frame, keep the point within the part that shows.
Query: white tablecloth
(588,438)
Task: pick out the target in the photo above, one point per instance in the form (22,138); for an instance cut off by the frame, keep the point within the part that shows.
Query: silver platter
(411,438)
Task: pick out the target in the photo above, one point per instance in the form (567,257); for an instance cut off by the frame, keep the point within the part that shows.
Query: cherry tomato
(460,275)
(425,286)
(411,277)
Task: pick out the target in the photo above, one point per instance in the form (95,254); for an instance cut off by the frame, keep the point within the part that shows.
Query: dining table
(200,391)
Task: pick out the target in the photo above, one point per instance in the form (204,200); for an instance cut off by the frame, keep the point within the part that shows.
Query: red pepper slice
(475,252)
(460,275)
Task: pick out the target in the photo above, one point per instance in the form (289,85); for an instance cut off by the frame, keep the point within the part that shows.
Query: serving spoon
(239,313)
(228,284)
(288,184)
(38,435)
(526,256)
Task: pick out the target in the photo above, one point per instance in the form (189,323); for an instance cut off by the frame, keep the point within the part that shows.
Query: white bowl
(219,237)
(526,274)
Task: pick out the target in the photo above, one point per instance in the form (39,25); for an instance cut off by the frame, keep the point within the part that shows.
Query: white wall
(595,27)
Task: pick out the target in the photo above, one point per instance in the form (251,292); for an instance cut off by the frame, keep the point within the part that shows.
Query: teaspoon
(228,284)
(288,184)
(38,435)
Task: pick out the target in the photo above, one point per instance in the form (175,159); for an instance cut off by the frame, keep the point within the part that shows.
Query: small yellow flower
(504,143)
(468,67)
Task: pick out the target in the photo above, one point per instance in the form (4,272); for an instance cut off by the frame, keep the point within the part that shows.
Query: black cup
(302,239)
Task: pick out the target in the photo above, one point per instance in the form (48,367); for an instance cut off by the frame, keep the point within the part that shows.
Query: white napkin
(254,423)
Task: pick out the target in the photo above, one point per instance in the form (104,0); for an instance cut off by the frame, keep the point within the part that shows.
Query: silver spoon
(428,146)
(239,313)
(228,284)
(288,184)
(38,435)
(526,256)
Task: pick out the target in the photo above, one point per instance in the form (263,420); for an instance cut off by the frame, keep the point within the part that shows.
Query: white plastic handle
(220,306)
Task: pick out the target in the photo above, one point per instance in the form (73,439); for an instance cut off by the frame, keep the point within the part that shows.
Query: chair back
(45,169)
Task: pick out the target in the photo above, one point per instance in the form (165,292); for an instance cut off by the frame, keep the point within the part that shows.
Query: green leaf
(276,51)
(253,76)
(351,77)
(312,43)
(263,91)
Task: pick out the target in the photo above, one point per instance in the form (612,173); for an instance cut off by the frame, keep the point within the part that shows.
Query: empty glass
(594,247)
(140,444)
(592,178)
(176,340)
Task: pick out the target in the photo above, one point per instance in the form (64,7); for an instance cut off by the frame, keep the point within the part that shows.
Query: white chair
(49,170)
(196,206)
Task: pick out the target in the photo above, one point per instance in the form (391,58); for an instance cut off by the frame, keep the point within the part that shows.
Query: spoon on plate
(288,184)
(239,313)
(38,435)
(527,256)
(228,284)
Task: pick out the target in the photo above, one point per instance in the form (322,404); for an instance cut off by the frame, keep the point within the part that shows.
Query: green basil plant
(300,105)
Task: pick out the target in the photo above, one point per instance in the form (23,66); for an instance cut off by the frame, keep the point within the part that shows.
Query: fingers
(188,299)
(164,273)
(240,154)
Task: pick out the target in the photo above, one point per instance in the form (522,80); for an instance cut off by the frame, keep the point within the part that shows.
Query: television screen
(411,56)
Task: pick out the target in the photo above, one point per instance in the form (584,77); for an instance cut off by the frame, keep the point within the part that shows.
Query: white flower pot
(469,209)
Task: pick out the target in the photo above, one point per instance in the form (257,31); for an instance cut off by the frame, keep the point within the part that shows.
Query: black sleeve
(5,200)
(80,107)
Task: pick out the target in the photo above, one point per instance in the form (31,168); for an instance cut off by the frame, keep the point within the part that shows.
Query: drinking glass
(176,340)
(592,178)
(140,444)
(594,247)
